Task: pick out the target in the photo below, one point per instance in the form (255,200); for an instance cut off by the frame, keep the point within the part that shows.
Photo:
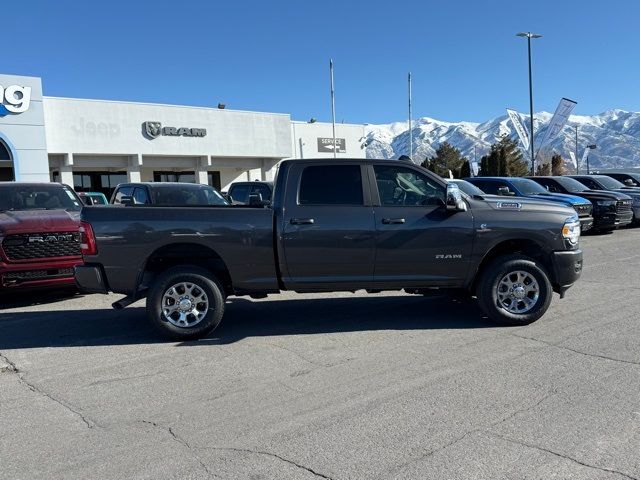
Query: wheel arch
(186,253)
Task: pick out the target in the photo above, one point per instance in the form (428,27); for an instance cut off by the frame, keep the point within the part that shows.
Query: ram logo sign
(155,129)
(449,256)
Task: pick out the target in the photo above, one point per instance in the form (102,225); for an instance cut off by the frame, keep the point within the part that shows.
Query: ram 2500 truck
(333,226)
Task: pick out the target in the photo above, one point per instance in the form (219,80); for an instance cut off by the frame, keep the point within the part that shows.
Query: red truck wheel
(185,303)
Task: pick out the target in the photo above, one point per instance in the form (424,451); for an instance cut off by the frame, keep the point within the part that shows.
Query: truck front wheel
(185,303)
(514,290)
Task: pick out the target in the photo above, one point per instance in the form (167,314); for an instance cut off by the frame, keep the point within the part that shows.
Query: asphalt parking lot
(339,386)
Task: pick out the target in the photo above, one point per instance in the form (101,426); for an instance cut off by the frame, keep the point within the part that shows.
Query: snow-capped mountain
(615,132)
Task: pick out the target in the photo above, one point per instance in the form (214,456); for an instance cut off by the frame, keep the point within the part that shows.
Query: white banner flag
(573,159)
(585,155)
(474,169)
(522,132)
(559,120)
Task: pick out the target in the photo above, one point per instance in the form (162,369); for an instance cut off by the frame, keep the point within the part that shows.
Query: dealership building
(96,144)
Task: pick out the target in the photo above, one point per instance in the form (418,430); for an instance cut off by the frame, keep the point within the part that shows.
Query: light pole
(576,154)
(529,36)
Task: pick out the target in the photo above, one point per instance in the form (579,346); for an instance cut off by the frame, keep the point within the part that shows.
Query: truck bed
(128,237)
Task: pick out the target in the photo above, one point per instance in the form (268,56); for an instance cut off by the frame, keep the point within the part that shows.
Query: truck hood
(27,221)
(499,202)
(604,195)
(562,198)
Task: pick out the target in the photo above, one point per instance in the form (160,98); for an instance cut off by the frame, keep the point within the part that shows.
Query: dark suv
(166,194)
(610,209)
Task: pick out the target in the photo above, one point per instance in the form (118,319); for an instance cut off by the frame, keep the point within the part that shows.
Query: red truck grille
(41,245)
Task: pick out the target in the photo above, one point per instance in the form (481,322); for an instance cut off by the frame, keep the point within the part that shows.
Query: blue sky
(273,55)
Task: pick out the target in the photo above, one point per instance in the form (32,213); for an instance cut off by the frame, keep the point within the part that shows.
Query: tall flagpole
(410,126)
(333,109)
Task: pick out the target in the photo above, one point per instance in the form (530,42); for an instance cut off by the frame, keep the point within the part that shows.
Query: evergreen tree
(557,166)
(447,158)
(543,170)
(465,170)
(504,159)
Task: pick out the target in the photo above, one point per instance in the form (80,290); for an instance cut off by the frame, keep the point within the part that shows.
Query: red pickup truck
(39,236)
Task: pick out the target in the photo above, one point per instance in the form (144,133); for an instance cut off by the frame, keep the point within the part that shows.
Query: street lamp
(529,36)
(590,147)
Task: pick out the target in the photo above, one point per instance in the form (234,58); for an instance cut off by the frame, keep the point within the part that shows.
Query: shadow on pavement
(21,299)
(243,319)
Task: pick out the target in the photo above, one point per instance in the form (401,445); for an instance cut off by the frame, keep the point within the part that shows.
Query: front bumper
(90,279)
(40,274)
(567,268)
(636,213)
(613,219)
(586,223)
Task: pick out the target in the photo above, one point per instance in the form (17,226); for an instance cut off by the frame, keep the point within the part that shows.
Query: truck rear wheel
(185,303)
(514,290)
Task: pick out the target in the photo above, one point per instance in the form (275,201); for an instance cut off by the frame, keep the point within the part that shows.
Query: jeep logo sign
(14,99)
(155,129)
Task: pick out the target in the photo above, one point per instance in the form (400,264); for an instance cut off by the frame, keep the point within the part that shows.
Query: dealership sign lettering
(326,145)
(155,129)
(14,99)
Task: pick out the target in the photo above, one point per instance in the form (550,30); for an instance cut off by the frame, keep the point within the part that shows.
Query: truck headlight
(606,204)
(571,230)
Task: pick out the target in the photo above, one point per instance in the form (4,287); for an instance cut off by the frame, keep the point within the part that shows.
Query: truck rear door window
(331,185)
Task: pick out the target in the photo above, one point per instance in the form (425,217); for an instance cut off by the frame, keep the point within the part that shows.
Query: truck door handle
(389,221)
(301,221)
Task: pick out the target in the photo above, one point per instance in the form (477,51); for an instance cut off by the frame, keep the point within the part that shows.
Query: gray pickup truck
(337,225)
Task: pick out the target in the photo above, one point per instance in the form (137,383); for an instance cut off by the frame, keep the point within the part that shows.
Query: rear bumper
(567,267)
(90,279)
(28,275)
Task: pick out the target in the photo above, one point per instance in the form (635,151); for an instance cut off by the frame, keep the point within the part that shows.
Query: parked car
(627,179)
(383,225)
(603,182)
(39,225)
(93,198)
(610,209)
(239,192)
(166,194)
(466,187)
(524,187)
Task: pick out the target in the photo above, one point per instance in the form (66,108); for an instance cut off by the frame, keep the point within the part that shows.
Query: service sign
(14,99)
(326,145)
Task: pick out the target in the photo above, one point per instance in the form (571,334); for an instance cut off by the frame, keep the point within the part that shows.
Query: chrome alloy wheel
(518,292)
(184,304)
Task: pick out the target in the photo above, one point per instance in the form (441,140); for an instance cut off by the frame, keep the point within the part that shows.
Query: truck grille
(41,245)
(583,210)
(623,206)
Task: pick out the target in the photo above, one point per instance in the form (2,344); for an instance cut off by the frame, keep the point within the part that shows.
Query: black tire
(203,281)
(487,290)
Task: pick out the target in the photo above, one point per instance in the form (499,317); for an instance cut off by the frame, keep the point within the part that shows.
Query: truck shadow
(243,319)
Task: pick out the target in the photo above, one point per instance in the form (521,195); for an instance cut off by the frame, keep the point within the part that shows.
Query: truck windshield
(571,184)
(608,182)
(187,195)
(528,187)
(53,196)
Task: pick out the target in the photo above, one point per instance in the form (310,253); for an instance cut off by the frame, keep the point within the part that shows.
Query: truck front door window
(406,187)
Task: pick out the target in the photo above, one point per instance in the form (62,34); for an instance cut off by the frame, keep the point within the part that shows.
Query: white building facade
(95,144)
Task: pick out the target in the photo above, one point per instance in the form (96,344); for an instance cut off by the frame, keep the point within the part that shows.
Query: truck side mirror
(227,197)
(505,192)
(126,200)
(455,202)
